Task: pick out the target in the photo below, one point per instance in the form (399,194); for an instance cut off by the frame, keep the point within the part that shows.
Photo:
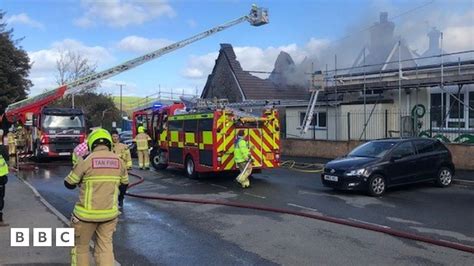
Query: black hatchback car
(376,165)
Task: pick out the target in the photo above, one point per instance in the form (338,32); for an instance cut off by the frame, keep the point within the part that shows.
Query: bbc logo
(42,237)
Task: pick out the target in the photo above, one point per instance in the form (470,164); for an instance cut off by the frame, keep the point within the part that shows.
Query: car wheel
(157,159)
(445,177)
(191,168)
(377,185)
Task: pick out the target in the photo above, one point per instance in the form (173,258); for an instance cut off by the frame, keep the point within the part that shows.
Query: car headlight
(357,172)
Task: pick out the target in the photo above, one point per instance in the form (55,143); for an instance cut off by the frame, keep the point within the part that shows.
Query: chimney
(383,17)
(381,34)
(434,36)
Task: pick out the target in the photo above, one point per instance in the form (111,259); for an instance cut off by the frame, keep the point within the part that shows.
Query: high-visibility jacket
(123,152)
(241,151)
(3,166)
(99,176)
(142,141)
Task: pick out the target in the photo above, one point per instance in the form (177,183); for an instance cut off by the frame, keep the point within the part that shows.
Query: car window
(424,146)
(405,149)
(372,149)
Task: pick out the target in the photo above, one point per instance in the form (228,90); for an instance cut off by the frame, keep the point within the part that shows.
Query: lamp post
(103,114)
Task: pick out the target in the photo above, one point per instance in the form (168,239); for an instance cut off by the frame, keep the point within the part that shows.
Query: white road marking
(364,222)
(303,207)
(399,220)
(253,195)
(219,186)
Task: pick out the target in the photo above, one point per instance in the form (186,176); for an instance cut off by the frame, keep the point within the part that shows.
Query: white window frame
(465,120)
(315,114)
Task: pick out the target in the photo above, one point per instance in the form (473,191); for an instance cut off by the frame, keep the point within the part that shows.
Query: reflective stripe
(96,214)
(102,178)
(87,212)
(73,256)
(189,137)
(207,137)
(73,178)
(174,136)
(188,117)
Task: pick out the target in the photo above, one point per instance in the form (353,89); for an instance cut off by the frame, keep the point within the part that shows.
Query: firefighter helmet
(141,129)
(99,137)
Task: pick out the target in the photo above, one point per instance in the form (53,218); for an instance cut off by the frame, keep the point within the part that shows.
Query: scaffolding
(371,87)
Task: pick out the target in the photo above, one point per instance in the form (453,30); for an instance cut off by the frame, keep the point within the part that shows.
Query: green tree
(14,68)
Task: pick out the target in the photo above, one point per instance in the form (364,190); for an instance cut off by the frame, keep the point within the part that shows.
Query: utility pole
(400,89)
(121,115)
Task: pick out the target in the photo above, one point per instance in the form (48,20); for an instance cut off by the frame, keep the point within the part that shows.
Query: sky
(110,32)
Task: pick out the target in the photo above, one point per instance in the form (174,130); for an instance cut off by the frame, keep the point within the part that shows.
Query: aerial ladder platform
(257,17)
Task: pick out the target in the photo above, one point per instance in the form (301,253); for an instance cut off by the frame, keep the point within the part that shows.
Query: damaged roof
(252,87)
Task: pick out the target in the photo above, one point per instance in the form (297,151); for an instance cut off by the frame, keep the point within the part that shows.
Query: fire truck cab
(56,131)
(203,142)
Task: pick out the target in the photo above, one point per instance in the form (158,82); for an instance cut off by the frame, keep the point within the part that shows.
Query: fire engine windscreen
(63,121)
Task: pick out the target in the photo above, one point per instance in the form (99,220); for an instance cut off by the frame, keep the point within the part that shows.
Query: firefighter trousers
(143,158)
(243,177)
(103,250)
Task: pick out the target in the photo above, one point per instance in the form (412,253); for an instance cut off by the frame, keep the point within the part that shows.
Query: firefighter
(11,147)
(142,140)
(20,139)
(3,181)
(99,177)
(243,160)
(123,152)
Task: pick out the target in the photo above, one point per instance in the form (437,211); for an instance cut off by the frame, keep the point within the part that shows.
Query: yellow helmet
(141,129)
(99,136)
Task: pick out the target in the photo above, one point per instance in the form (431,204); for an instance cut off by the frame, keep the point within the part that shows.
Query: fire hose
(302,167)
(341,221)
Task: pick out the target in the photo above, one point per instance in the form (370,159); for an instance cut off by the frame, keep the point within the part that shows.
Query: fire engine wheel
(191,167)
(157,160)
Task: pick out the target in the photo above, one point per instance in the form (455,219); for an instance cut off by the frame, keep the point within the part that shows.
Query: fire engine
(202,141)
(50,132)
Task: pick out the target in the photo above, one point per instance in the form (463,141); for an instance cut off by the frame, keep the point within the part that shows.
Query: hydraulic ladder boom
(256,17)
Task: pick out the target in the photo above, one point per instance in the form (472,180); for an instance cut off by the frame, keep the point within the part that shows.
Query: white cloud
(141,45)
(191,23)
(457,28)
(121,13)
(24,19)
(43,72)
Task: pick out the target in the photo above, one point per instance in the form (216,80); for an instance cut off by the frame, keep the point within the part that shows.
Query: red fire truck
(50,132)
(203,141)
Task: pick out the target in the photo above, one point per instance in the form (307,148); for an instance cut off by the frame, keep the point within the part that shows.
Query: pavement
(25,209)
(462,177)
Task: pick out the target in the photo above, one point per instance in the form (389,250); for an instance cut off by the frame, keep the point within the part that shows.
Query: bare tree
(71,66)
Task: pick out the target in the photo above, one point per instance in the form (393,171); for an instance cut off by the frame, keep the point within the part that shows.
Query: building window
(449,112)
(319,120)
(438,107)
(471,111)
